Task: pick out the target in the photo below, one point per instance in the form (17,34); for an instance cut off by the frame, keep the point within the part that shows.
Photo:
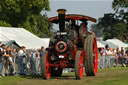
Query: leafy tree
(25,13)
(117,30)
(121,8)
(3,23)
(105,25)
(97,29)
(114,25)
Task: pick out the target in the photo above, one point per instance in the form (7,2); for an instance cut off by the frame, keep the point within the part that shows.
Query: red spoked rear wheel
(79,58)
(95,56)
(45,66)
(91,57)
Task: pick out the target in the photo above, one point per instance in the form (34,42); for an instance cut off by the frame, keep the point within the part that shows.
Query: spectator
(126,51)
(37,62)
(15,60)
(21,57)
(106,46)
(107,57)
(122,51)
(102,58)
(1,53)
(119,55)
(41,53)
(10,60)
(33,62)
(5,60)
(28,64)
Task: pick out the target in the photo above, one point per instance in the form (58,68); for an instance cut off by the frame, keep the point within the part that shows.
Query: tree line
(114,25)
(26,14)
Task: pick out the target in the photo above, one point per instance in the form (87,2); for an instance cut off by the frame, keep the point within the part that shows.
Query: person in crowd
(37,62)
(102,57)
(112,57)
(15,61)
(122,51)
(10,60)
(33,62)
(126,51)
(41,51)
(119,55)
(1,53)
(21,58)
(28,64)
(114,51)
(106,46)
(123,56)
(108,54)
(5,60)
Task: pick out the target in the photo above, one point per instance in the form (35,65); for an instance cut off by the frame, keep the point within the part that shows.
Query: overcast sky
(93,8)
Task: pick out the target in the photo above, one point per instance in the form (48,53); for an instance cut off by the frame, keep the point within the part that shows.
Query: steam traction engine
(73,46)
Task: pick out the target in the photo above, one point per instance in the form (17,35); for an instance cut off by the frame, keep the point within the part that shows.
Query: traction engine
(73,46)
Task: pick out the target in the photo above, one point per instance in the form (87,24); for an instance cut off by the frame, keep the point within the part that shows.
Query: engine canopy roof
(72,17)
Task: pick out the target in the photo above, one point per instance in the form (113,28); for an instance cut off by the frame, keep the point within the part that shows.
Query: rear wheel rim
(95,56)
(79,65)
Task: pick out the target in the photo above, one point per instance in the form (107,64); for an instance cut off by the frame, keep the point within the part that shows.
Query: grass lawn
(109,76)
(11,80)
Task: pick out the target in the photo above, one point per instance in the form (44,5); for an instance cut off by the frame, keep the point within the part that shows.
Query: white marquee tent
(100,45)
(22,37)
(46,40)
(118,43)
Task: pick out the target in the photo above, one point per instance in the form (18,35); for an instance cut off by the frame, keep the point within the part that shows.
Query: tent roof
(11,43)
(117,42)
(21,36)
(111,45)
(100,45)
(46,41)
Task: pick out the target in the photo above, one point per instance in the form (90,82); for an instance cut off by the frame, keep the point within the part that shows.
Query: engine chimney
(61,16)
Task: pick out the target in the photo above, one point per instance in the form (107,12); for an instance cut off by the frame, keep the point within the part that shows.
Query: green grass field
(110,76)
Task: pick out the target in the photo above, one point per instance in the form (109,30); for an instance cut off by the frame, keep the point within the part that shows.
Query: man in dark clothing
(126,51)
(122,51)
(5,61)
(1,53)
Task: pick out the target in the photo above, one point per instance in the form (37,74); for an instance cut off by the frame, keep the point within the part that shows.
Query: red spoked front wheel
(79,64)
(45,66)
(91,57)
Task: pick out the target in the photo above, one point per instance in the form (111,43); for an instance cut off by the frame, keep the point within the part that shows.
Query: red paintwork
(74,17)
(95,62)
(81,62)
(62,64)
(48,70)
(64,45)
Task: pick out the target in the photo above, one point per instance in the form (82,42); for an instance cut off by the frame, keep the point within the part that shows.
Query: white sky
(92,8)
